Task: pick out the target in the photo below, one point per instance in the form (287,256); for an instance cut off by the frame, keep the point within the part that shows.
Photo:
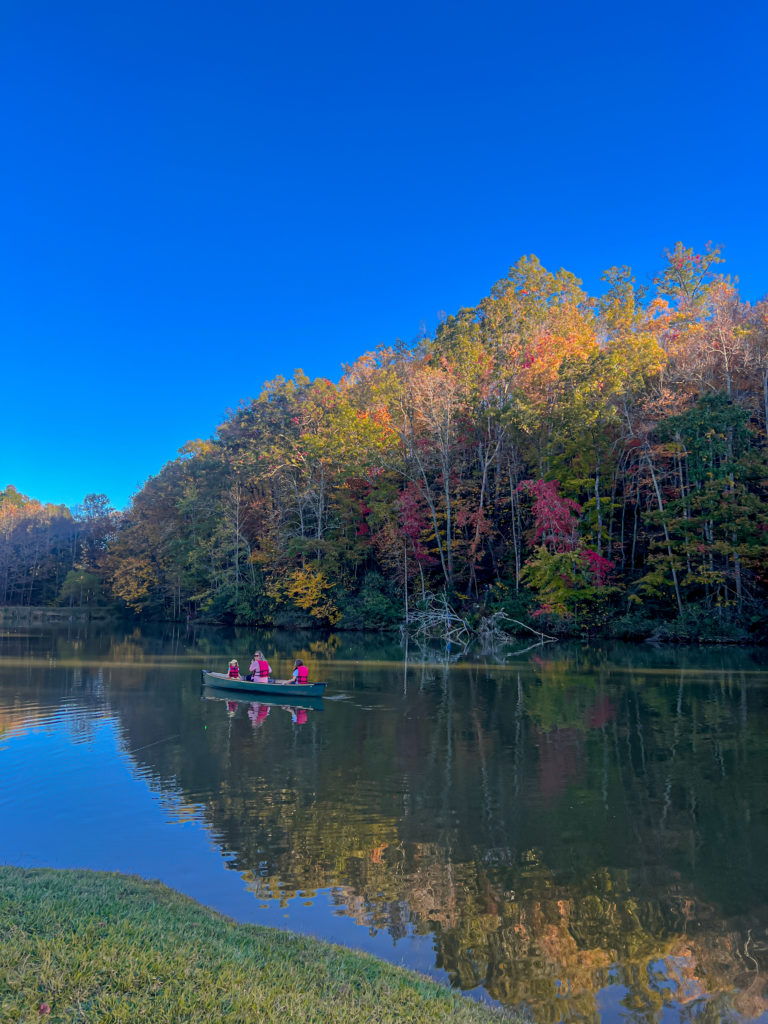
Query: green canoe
(264,686)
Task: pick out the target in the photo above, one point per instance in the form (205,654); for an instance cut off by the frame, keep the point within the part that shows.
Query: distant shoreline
(25,615)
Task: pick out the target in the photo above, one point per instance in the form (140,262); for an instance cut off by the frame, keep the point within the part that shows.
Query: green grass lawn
(110,948)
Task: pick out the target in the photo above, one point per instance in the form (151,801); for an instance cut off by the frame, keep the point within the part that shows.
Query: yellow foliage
(308,589)
(133,580)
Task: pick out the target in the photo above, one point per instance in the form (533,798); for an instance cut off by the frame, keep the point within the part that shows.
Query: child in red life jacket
(234,669)
(259,667)
(300,672)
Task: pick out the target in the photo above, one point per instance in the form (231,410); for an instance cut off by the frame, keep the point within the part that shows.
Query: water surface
(580,831)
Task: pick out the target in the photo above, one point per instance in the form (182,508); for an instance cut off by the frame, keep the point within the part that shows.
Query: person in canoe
(259,667)
(300,672)
(234,669)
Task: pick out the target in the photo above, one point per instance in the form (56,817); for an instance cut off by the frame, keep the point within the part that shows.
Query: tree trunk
(515,532)
(405,580)
(598,509)
(666,531)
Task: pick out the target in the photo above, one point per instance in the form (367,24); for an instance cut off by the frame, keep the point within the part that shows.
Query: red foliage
(545,609)
(599,568)
(359,491)
(555,518)
(414,520)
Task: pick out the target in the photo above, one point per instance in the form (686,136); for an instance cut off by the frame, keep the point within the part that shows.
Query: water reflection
(258,710)
(583,831)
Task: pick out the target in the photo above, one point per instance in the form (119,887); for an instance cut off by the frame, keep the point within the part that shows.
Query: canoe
(222,680)
(272,700)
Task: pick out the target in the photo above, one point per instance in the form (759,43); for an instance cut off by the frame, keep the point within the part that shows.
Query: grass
(114,949)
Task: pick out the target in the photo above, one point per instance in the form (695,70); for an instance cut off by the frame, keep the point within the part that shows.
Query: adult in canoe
(259,667)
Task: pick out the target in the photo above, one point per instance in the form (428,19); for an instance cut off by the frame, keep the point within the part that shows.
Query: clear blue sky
(199,196)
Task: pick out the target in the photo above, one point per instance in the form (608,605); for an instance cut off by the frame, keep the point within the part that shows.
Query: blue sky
(196,197)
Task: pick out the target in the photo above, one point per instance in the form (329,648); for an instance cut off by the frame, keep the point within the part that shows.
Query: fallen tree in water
(437,621)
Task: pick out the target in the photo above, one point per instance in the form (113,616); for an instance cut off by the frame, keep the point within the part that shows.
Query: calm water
(582,831)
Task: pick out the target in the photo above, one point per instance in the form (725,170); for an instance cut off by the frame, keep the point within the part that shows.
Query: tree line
(593,463)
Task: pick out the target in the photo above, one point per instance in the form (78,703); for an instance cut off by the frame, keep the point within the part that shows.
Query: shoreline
(12,616)
(80,945)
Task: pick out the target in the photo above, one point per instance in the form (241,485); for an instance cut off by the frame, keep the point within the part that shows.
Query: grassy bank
(108,948)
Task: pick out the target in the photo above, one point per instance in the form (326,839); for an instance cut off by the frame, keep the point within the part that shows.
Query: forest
(588,465)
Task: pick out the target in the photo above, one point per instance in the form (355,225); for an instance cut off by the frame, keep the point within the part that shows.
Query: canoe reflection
(258,710)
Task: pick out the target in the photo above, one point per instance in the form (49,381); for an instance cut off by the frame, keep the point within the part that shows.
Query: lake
(580,830)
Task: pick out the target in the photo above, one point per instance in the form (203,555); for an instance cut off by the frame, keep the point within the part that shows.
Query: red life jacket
(234,672)
(263,670)
(302,674)
(301,716)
